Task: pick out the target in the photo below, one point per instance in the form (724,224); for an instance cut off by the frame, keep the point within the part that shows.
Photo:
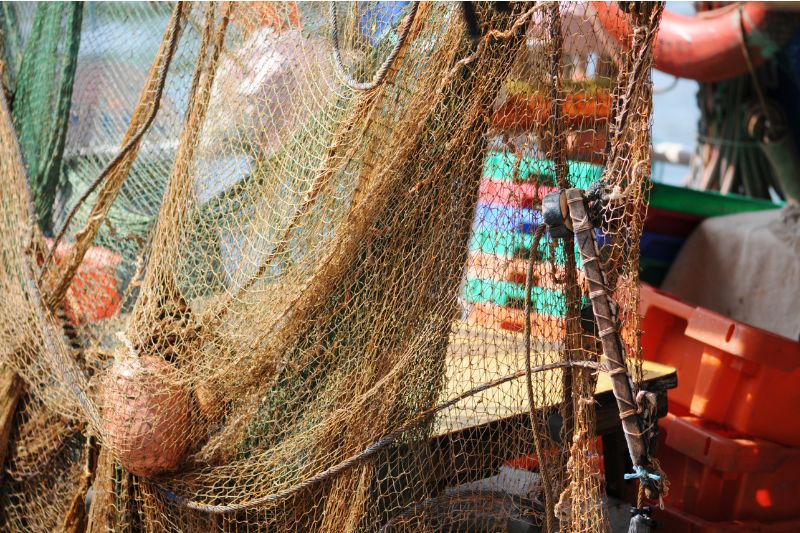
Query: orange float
(93,294)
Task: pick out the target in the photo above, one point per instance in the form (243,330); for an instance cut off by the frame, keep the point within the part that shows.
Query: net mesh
(294,276)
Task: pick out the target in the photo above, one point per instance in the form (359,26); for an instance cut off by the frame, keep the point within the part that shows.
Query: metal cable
(373,448)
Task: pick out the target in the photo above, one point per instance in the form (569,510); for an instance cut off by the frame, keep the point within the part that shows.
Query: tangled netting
(282,266)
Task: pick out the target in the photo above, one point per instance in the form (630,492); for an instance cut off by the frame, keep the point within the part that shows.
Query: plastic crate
(507,294)
(718,474)
(660,247)
(673,214)
(517,244)
(505,218)
(668,222)
(506,192)
(545,327)
(658,251)
(501,165)
(652,271)
(728,372)
(703,204)
(487,266)
(677,211)
(672,520)
(513,244)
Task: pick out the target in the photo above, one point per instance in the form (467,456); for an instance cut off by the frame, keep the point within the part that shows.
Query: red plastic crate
(671,520)
(672,223)
(720,475)
(728,372)
(506,192)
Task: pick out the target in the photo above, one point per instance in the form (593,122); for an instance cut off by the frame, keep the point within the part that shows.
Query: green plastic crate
(503,293)
(505,243)
(704,204)
(500,166)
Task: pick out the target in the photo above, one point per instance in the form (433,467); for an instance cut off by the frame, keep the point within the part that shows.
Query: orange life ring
(706,47)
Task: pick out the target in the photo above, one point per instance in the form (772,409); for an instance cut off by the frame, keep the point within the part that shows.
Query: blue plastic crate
(659,247)
(505,218)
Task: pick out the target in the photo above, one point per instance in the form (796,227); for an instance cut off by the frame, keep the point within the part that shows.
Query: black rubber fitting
(553,206)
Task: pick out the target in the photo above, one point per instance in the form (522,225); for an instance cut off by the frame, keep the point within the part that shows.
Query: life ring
(706,47)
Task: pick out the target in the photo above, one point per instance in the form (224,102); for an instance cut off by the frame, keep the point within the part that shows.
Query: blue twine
(639,472)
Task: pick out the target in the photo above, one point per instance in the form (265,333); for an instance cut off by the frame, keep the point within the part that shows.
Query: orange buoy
(146,418)
(93,294)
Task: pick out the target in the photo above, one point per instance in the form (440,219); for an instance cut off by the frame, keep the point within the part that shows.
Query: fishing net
(286,267)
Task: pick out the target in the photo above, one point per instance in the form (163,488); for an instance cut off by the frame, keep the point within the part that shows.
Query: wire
(668,88)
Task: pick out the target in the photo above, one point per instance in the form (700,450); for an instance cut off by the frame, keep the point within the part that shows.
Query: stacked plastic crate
(502,237)
(731,441)
(729,444)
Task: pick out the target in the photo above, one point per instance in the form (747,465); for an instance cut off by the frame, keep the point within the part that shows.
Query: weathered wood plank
(10,391)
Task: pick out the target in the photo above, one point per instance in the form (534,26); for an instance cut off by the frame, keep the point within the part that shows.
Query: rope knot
(640,472)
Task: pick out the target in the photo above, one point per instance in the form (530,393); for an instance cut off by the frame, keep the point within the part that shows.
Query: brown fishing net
(303,281)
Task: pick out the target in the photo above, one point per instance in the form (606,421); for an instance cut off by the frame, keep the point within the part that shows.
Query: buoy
(146,417)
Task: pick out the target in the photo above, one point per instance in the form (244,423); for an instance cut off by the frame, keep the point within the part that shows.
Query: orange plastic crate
(545,327)
(672,520)
(728,372)
(720,475)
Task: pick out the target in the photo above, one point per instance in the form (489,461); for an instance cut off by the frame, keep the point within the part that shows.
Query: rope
(380,74)
(746,54)
(639,472)
(543,470)
(162,78)
(371,449)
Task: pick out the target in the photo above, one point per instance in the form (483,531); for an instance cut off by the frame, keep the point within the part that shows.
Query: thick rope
(380,74)
(547,485)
